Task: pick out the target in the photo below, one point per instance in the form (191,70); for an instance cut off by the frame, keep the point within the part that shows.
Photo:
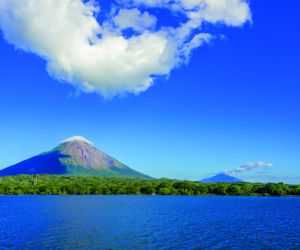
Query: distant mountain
(75,156)
(222,177)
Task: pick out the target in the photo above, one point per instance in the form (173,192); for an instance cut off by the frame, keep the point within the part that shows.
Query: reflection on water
(149,222)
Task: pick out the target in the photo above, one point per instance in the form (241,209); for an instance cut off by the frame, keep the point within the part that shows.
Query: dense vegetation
(53,184)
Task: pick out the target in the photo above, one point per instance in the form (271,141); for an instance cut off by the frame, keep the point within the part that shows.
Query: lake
(149,222)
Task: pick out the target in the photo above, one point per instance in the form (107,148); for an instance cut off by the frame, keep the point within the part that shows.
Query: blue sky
(236,101)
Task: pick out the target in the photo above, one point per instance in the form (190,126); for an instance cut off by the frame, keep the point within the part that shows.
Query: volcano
(222,177)
(75,156)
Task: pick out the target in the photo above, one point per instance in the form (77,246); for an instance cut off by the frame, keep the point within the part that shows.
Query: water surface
(149,222)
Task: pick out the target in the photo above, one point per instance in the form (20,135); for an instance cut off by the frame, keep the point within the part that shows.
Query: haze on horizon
(179,89)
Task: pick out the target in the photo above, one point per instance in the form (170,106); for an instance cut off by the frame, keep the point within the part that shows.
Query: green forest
(64,185)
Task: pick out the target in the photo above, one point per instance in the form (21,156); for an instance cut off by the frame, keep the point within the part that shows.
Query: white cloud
(135,19)
(101,57)
(230,12)
(249,166)
(77,138)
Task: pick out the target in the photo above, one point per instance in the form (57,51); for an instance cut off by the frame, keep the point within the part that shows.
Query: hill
(222,177)
(75,156)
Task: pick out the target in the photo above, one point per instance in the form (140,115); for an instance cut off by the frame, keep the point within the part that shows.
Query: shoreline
(150,195)
(76,185)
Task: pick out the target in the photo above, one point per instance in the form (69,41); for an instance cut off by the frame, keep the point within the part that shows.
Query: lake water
(149,222)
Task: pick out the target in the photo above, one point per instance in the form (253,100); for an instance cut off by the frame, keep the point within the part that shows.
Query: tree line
(63,185)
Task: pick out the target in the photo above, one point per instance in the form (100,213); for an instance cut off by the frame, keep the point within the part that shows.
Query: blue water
(149,222)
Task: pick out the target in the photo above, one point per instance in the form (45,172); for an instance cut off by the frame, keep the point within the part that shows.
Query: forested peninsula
(71,185)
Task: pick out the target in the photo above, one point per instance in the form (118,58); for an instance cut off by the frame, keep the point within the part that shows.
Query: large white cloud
(123,53)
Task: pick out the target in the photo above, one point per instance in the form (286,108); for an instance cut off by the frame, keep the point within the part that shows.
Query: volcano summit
(75,156)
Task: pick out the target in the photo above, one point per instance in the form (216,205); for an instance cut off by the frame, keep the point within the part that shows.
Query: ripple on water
(149,222)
